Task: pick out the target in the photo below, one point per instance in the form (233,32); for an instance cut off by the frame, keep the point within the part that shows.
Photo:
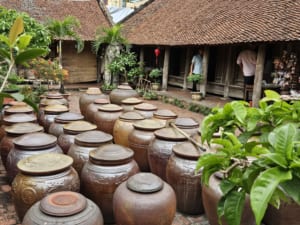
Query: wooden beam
(166,69)
(228,74)
(187,67)
(142,56)
(260,62)
(205,62)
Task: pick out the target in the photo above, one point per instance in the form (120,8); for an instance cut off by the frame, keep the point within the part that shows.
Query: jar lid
(63,203)
(185,122)
(45,163)
(19,109)
(110,108)
(19,118)
(148,124)
(145,107)
(56,108)
(93,91)
(23,128)
(132,101)
(131,116)
(68,117)
(54,95)
(124,86)
(169,133)
(93,137)
(45,102)
(79,126)
(33,141)
(111,154)
(17,103)
(186,150)
(101,101)
(164,114)
(144,183)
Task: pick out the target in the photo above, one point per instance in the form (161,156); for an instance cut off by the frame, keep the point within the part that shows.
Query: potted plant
(195,79)
(155,75)
(258,156)
(107,88)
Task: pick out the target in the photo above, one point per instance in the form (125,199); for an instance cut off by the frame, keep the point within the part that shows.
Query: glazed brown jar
(57,127)
(12,132)
(84,143)
(140,138)
(64,207)
(145,109)
(40,175)
(106,117)
(144,199)
(164,115)
(107,168)
(28,145)
(122,92)
(123,127)
(129,103)
(91,94)
(183,179)
(66,139)
(51,99)
(188,125)
(160,149)
(93,108)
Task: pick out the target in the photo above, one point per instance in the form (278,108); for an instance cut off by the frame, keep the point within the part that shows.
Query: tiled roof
(90,14)
(201,22)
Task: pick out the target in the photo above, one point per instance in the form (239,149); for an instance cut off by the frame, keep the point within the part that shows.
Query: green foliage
(155,74)
(150,95)
(195,78)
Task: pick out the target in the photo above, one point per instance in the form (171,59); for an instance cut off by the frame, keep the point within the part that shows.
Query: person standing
(247,61)
(196,66)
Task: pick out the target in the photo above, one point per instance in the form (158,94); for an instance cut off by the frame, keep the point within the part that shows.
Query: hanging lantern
(156,52)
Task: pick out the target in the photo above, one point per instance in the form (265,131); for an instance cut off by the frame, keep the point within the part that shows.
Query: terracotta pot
(107,168)
(64,207)
(183,179)
(164,115)
(40,175)
(93,108)
(129,103)
(84,143)
(122,92)
(106,117)
(123,127)
(188,125)
(147,200)
(57,127)
(160,149)
(145,109)
(29,145)
(140,138)
(12,132)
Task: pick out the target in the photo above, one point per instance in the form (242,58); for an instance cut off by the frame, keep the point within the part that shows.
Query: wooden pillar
(260,62)
(166,69)
(205,62)
(228,72)
(188,59)
(142,56)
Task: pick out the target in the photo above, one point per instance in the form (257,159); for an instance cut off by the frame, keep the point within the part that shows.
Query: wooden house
(91,14)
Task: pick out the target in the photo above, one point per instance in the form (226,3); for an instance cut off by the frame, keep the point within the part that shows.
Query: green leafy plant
(155,75)
(195,78)
(150,95)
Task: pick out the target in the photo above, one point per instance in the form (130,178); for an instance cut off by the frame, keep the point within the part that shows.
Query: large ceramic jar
(122,92)
(107,168)
(140,138)
(64,207)
(12,132)
(66,139)
(129,103)
(93,108)
(40,175)
(84,143)
(144,199)
(145,109)
(106,117)
(210,197)
(124,126)
(160,149)
(189,125)
(183,179)
(91,94)
(164,115)
(28,145)
(53,98)
(50,112)
(57,127)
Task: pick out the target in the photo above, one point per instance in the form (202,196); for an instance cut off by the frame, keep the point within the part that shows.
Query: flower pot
(196,96)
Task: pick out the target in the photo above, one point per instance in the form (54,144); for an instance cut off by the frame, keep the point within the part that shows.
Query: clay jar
(145,109)
(183,179)
(164,115)
(40,175)
(12,132)
(122,92)
(107,168)
(123,127)
(189,125)
(129,103)
(28,145)
(50,112)
(64,207)
(88,97)
(144,199)
(57,127)
(53,98)
(84,143)
(106,117)
(140,138)
(160,149)
(93,108)
(66,139)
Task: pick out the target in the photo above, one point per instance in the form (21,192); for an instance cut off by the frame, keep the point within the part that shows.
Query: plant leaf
(240,111)
(233,207)
(24,41)
(291,187)
(5,54)
(29,54)
(226,186)
(277,159)
(4,39)
(16,29)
